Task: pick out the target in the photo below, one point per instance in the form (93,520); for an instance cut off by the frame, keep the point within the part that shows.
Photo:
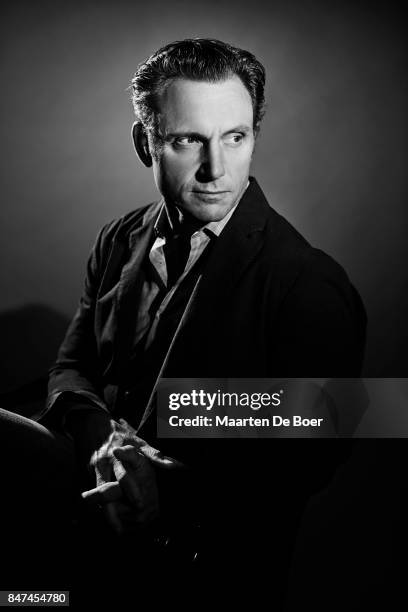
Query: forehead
(202,106)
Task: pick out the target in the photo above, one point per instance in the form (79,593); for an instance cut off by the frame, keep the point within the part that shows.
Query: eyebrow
(239,128)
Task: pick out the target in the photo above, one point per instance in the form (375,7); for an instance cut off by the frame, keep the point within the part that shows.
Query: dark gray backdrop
(331,156)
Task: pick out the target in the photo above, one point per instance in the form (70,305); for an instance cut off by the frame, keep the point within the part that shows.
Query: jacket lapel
(130,287)
(235,249)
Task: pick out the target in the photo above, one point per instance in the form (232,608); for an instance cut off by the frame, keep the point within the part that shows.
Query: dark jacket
(268,305)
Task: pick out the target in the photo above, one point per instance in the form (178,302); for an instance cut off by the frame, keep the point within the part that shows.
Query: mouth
(209,197)
(206,192)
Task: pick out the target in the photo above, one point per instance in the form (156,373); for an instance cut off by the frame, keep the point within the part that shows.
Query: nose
(212,167)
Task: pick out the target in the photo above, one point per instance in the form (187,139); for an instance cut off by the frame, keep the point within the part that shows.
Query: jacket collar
(236,248)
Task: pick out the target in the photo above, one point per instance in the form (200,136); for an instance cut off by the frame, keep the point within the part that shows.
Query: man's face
(202,164)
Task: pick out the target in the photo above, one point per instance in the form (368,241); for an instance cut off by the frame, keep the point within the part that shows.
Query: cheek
(176,170)
(239,164)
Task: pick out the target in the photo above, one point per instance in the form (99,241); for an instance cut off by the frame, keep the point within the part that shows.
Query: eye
(186,141)
(234,139)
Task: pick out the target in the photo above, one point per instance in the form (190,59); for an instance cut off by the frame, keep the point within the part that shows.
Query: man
(208,282)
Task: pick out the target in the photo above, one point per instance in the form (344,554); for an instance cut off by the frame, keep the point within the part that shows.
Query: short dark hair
(198,59)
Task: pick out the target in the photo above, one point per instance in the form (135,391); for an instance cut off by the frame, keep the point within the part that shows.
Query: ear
(141,144)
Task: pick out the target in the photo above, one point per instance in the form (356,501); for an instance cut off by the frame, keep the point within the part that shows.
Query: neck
(188,223)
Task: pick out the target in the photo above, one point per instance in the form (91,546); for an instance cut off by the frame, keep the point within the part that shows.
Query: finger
(103,494)
(128,454)
(130,434)
(133,459)
(102,464)
(125,425)
(140,472)
(153,454)
(158,459)
(125,478)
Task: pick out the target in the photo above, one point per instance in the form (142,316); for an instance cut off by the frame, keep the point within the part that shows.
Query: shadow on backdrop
(31,336)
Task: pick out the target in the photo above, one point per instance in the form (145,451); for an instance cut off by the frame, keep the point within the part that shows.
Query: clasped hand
(126,486)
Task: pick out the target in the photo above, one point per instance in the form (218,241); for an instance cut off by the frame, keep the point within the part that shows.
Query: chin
(208,212)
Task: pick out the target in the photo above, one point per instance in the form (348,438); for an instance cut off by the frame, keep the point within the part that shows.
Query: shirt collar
(167,221)
(216,227)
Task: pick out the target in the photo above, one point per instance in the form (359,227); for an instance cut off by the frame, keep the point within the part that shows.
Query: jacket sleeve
(76,368)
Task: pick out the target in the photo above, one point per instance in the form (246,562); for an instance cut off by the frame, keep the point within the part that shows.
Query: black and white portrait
(211,192)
